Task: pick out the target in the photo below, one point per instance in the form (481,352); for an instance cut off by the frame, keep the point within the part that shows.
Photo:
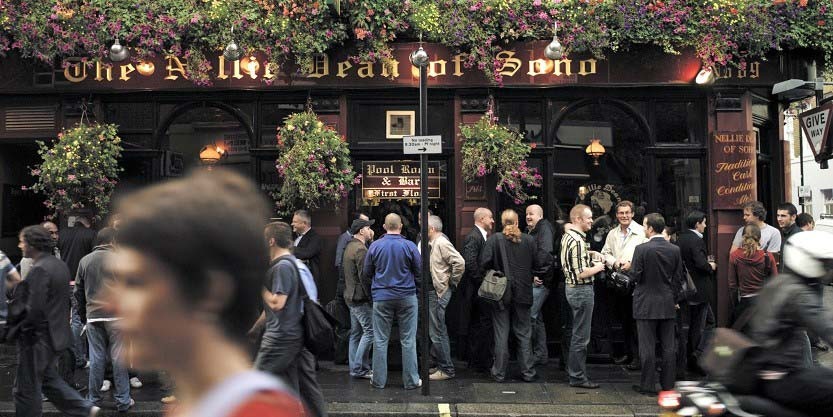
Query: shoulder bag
(318,324)
(496,284)
(689,290)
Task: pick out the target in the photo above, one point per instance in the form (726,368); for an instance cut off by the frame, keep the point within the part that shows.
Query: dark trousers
(649,332)
(809,391)
(623,308)
(37,375)
(517,317)
(295,365)
(481,337)
(693,333)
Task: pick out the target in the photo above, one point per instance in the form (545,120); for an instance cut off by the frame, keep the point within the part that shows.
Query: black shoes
(586,385)
(642,391)
(622,360)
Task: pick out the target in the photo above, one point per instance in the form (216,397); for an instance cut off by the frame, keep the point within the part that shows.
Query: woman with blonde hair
(517,255)
(749,267)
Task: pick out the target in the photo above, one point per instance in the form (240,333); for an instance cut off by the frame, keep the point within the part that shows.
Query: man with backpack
(282,350)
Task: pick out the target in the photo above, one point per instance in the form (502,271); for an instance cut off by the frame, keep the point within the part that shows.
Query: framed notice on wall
(399,123)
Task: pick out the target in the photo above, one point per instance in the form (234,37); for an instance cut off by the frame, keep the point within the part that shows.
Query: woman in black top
(524,262)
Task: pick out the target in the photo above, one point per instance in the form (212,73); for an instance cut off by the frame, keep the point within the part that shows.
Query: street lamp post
(419,59)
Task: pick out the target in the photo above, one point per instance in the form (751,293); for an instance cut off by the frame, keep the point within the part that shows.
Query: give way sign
(816,126)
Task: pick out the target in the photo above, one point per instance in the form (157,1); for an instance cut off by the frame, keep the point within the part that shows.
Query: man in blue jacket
(393,265)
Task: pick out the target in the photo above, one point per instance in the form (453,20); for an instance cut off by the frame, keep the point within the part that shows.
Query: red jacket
(748,273)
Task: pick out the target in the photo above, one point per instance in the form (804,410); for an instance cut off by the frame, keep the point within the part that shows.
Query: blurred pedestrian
(189,272)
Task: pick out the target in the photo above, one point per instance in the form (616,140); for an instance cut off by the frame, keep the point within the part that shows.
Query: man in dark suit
(542,231)
(698,308)
(307,245)
(657,269)
(475,320)
(44,332)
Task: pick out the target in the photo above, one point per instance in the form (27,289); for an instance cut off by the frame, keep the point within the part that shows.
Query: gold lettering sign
(734,168)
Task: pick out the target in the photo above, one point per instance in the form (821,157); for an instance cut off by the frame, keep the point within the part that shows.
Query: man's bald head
(483,218)
(393,223)
(534,214)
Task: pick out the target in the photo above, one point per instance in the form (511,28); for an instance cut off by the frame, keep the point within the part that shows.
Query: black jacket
(544,236)
(524,263)
(784,309)
(472,278)
(75,243)
(309,251)
(657,269)
(47,304)
(693,250)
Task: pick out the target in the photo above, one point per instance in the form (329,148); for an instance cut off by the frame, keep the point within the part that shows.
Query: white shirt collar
(700,235)
(482,231)
(226,396)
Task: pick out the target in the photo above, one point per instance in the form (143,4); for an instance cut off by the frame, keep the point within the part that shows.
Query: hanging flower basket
(79,171)
(491,149)
(314,166)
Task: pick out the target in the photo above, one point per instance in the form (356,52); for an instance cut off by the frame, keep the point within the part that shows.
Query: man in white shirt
(618,253)
(755,213)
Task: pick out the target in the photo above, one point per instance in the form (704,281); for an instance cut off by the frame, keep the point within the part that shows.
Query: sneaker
(129,406)
(87,365)
(368,375)
(169,399)
(106,385)
(135,382)
(439,376)
(94,410)
(432,370)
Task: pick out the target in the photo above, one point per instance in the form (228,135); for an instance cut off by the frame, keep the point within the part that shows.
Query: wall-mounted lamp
(595,149)
(211,154)
(232,51)
(554,50)
(705,76)
(146,68)
(118,52)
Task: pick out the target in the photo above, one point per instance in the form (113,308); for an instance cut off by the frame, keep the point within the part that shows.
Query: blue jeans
(105,341)
(361,339)
(404,311)
(539,330)
(581,300)
(440,348)
(76,342)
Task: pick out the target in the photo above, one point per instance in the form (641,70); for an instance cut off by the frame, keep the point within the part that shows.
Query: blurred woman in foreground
(189,268)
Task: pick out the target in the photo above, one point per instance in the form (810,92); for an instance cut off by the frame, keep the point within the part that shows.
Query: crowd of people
(185,275)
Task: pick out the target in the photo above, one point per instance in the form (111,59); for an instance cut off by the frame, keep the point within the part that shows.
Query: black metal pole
(427,284)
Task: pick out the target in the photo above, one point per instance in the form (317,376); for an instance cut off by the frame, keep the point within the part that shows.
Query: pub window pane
(677,122)
(525,118)
(271,116)
(679,188)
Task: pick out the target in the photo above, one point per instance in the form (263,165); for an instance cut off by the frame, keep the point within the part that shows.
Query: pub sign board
(816,126)
(396,180)
(734,169)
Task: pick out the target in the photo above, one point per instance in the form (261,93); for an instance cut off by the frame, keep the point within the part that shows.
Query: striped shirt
(575,257)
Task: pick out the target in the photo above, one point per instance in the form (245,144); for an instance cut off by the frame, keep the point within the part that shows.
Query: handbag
(619,281)
(495,286)
(729,357)
(318,324)
(689,290)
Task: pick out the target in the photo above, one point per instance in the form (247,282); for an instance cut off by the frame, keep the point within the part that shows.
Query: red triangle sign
(816,126)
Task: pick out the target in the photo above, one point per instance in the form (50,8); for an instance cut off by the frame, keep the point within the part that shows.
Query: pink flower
(71,177)
(62,192)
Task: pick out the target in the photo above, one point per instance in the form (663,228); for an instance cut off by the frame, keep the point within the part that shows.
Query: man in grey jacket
(91,282)
(357,296)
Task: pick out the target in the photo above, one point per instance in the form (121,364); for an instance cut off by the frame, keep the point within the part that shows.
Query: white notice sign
(816,124)
(415,145)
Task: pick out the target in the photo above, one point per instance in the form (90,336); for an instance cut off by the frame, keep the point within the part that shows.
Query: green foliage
(489,148)
(314,165)
(79,170)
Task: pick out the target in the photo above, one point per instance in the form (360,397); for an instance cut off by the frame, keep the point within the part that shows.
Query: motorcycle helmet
(810,254)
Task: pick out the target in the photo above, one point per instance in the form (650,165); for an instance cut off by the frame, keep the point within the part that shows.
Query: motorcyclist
(787,306)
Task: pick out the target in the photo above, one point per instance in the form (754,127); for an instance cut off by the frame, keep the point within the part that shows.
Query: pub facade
(671,145)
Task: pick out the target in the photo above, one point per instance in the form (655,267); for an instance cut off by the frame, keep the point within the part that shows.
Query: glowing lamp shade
(251,65)
(705,76)
(210,155)
(595,149)
(146,68)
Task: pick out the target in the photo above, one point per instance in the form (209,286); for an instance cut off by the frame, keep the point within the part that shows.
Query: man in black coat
(475,321)
(307,245)
(699,307)
(542,231)
(45,332)
(657,269)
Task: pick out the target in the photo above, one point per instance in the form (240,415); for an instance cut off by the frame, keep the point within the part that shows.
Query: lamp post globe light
(419,59)
(232,52)
(118,52)
(554,50)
